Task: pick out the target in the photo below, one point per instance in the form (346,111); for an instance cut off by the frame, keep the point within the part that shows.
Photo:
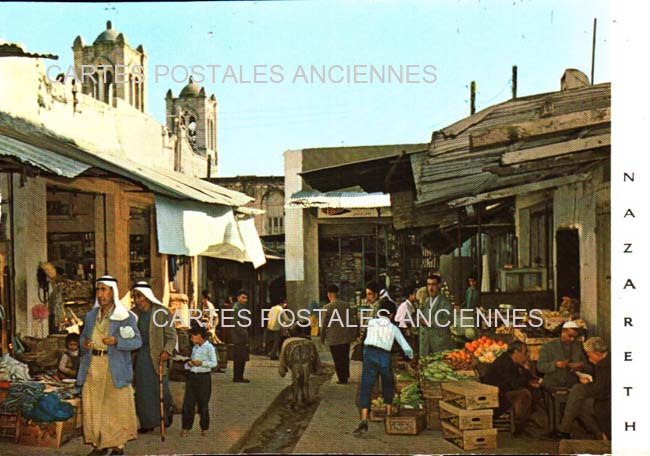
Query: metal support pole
(472,98)
(593,52)
(105,236)
(479,256)
(514,81)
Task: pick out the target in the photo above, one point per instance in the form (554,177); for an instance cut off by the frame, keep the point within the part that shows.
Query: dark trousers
(521,401)
(376,360)
(198,389)
(239,358)
(580,405)
(275,336)
(341,356)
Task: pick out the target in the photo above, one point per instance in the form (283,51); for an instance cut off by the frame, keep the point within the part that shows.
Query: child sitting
(198,385)
(69,364)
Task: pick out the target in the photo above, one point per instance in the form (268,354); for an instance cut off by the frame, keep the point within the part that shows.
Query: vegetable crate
(465,420)
(401,384)
(470,439)
(430,390)
(505,422)
(408,422)
(50,435)
(432,408)
(377,414)
(9,425)
(471,395)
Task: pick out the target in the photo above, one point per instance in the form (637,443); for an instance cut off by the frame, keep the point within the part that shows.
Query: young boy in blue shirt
(198,385)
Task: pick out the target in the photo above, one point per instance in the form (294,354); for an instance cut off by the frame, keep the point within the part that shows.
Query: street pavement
(234,410)
(330,430)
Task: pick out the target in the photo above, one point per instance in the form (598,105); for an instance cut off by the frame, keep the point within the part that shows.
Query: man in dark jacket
(239,335)
(510,373)
(337,333)
(591,395)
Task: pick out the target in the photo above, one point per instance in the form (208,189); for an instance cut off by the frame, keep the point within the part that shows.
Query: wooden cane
(162,406)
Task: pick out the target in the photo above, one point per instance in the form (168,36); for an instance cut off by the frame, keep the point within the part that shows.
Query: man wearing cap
(590,400)
(109,336)
(560,359)
(158,342)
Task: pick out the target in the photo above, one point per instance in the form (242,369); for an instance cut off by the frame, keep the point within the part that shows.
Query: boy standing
(198,386)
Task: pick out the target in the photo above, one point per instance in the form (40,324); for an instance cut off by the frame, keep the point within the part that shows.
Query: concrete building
(343,237)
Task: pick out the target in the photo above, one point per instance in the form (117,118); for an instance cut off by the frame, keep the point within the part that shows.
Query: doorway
(568,263)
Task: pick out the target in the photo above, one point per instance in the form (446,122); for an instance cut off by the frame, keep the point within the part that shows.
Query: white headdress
(120,313)
(144,288)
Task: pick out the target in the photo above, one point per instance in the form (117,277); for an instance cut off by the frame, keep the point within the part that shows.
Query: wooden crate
(505,422)
(470,440)
(408,422)
(9,425)
(377,415)
(49,435)
(465,419)
(430,390)
(471,395)
(76,403)
(432,408)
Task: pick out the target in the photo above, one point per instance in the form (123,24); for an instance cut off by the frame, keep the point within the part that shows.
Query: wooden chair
(555,401)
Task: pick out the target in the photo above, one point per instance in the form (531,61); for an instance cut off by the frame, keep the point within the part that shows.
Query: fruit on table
(459,360)
(486,350)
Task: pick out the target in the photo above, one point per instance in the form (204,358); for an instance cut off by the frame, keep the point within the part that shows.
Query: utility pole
(593,52)
(514,81)
(472,97)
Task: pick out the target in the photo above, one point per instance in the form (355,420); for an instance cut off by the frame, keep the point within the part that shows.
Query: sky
(446,44)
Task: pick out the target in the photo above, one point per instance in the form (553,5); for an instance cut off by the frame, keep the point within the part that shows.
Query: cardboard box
(48,435)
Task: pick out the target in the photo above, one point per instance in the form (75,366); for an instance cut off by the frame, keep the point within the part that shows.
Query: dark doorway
(568,263)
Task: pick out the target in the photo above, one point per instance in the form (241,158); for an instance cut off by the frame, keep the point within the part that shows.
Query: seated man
(590,395)
(511,374)
(559,359)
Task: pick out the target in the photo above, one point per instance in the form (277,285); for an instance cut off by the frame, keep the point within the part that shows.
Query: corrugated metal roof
(160,181)
(16,50)
(328,157)
(338,200)
(453,168)
(41,158)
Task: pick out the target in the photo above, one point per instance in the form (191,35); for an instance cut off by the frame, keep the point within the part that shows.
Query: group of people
(582,371)
(122,358)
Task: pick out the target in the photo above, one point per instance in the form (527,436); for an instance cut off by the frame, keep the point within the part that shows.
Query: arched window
(108,87)
(137,92)
(191,129)
(141,90)
(131,89)
(274,207)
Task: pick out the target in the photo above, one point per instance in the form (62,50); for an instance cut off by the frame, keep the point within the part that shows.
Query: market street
(234,409)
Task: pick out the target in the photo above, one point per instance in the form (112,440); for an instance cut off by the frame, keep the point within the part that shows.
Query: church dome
(107,35)
(192,89)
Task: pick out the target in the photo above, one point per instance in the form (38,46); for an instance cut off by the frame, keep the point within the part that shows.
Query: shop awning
(338,200)
(189,228)
(40,158)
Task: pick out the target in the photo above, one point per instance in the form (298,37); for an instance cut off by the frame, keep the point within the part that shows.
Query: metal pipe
(12,269)
(459,285)
(479,256)
(472,98)
(514,81)
(593,52)
(363,263)
(105,236)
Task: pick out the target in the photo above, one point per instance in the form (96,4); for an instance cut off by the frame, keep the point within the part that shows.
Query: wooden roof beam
(554,150)
(520,189)
(549,125)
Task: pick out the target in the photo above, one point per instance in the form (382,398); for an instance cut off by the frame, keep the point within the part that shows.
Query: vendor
(510,373)
(435,336)
(561,358)
(471,294)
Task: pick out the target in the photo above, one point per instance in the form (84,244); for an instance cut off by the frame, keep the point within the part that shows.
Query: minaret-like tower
(199,115)
(111,68)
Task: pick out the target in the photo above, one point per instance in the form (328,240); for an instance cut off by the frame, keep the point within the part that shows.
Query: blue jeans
(376,360)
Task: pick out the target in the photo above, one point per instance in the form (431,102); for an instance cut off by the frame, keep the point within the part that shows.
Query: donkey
(301,357)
